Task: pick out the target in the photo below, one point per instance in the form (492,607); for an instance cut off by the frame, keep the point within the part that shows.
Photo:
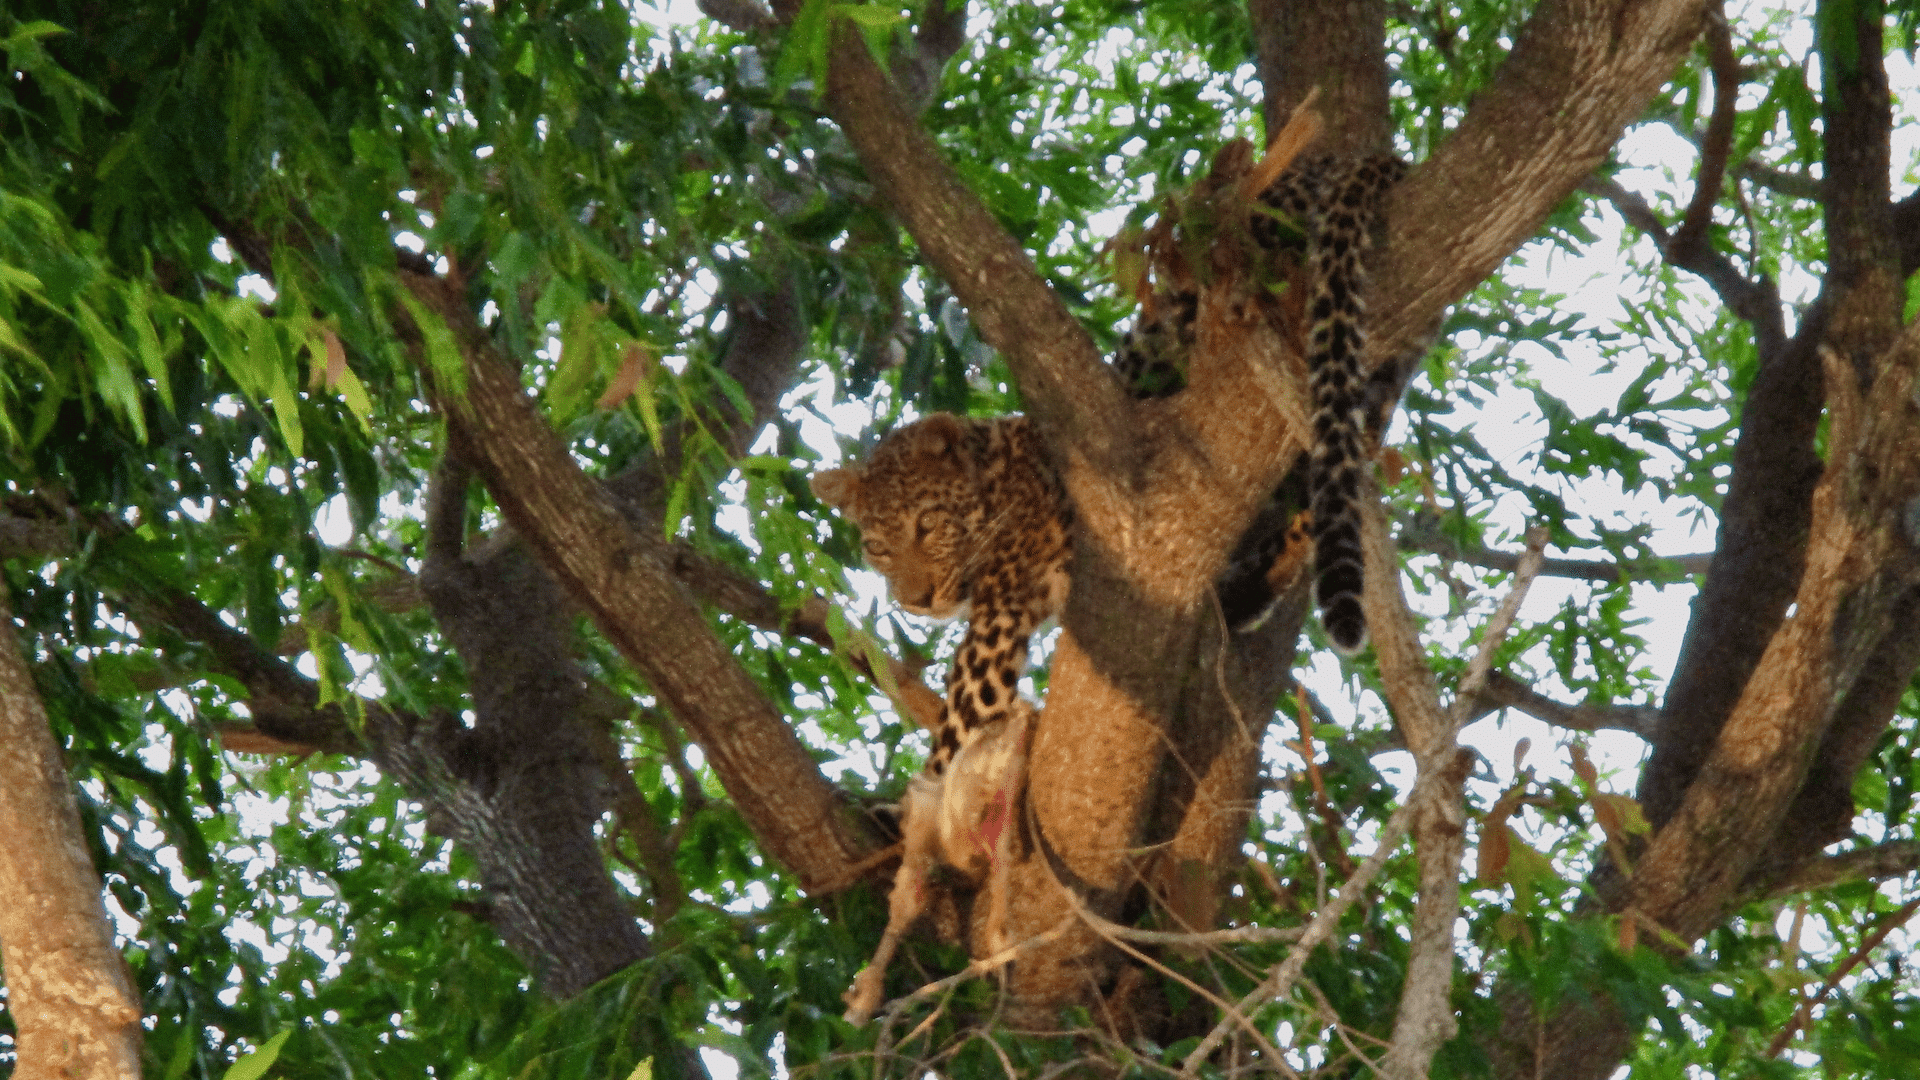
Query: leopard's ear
(835,487)
(939,434)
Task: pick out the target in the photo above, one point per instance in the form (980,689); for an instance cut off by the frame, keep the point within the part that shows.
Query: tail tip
(1346,625)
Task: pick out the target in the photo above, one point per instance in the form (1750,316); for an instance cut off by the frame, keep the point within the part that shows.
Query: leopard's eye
(931,521)
(873,548)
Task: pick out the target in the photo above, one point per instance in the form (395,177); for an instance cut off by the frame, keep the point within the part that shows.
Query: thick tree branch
(1337,49)
(1844,606)
(1857,110)
(1424,1021)
(1767,511)
(619,576)
(1858,563)
(1579,73)
(1823,810)
(1891,860)
(285,704)
(1755,568)
(74,1008)
(1066,386)
(1906,233)
(34,538)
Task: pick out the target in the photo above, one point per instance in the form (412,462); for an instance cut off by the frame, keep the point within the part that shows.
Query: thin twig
(1332,1018)
(1322,804)
(1756,301)
(1318,931)
(1503,691)
(1691,237)
(1497,627)
(1804,1014)
(980,967)
(1249,935)
(1107,930)
(1421,533)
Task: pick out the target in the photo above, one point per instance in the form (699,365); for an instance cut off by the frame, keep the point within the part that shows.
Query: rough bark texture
(1580,71)
(1162,491)
(1763,525)
(75,1011)
(1335,48)
(522,789)
(1861,566)
(1768,717)
(622,578)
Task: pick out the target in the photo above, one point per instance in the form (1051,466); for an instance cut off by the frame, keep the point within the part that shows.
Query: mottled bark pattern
(74,1008)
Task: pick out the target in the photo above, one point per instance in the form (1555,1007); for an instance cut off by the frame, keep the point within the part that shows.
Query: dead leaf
(632,371)
(336,357)
(1582,766)
(1393,463)
(1494,851)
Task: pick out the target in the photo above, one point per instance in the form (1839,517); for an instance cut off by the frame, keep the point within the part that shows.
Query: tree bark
(74,1008)
(622,578)
(1162,490)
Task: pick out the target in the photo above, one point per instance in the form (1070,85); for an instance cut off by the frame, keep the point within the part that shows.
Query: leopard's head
(916,500)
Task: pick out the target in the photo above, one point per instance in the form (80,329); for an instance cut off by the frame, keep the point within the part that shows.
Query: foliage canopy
(361,758)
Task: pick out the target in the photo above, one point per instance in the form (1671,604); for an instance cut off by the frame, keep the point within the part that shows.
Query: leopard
(1327,207)
(965,518)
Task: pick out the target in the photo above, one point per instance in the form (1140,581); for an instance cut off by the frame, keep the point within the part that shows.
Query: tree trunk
(74,1008)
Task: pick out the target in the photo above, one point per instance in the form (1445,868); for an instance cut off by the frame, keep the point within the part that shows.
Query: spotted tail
(1342,222)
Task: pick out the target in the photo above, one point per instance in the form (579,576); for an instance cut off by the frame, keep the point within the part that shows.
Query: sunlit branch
(1503,691)
(1481,666)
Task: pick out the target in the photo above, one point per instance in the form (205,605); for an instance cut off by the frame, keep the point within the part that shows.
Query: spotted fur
(965,517)
(1333,210)
(1341,229)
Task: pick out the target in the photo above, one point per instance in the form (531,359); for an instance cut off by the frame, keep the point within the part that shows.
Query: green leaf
(114,376)
(279,369)
(147,342)
(803,51)
(448,367)
(515,259)
(36,30)
(255,1065)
